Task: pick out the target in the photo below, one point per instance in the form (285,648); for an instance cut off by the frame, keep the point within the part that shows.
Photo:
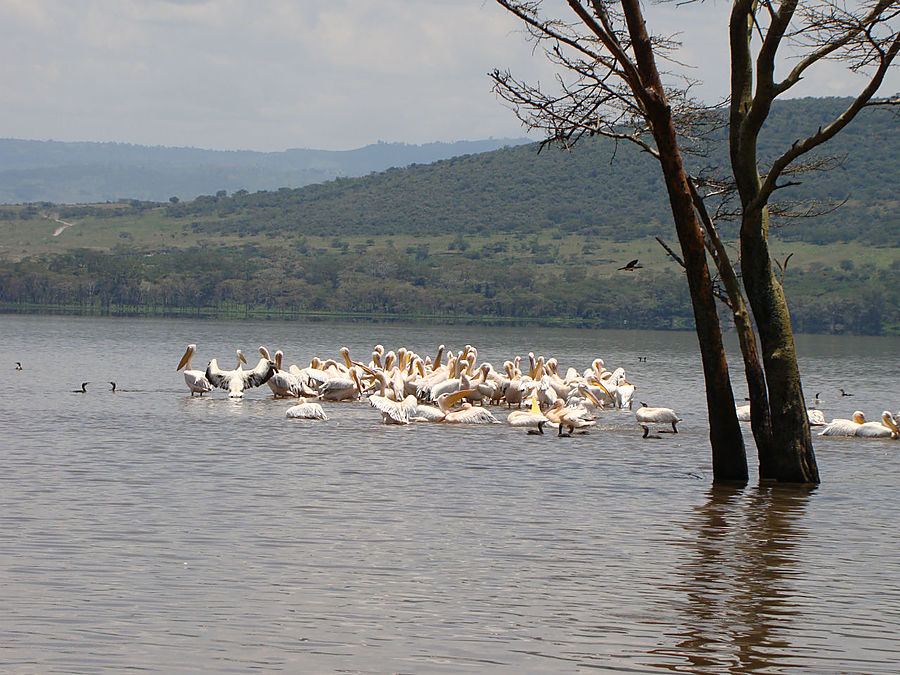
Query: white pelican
(533,419)
(887,428)
(195,379)
(646,416)
(307,410)
(624,394)
(467,414)
(816,417)
(568,418)
(282,383)
(394,412)
(844,427)
(341,388)
(237,380)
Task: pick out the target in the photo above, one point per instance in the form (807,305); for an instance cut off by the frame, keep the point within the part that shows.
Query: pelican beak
(365,368)
(184,359)
(605,390)
(458,396)
(243,358)
(535,406)
(590,397)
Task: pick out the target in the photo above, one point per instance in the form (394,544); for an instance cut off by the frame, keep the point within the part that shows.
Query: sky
(270,75)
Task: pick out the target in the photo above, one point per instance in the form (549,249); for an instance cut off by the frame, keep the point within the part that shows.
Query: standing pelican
(195,379)
(307,410)
(282,383)
(237,380)
(645,416)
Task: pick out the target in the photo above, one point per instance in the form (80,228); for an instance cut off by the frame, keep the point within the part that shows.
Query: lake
(144,529)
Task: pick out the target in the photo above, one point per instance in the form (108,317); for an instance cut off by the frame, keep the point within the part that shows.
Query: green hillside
(509,235)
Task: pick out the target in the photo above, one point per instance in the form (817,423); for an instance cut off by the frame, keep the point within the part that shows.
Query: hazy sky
(276,74)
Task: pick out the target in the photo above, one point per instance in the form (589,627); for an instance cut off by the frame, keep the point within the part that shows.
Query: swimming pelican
(467,414)
(887,428)
(816,417)
(646,416)
(237,380)
(394,412)
(844,427)
(532,419)
(195,379)
(307,410)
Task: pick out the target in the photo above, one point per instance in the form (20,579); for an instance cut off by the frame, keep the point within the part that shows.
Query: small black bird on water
(844,393)
(631,265)
(18,365)
(113,385)
(83,389)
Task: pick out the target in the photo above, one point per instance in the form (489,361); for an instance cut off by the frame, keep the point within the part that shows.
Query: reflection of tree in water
(737,581)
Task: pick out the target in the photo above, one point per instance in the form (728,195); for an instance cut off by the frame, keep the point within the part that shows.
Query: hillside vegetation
(508,235)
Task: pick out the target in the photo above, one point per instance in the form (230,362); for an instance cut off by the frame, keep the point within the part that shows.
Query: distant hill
(68,173)
(512,234)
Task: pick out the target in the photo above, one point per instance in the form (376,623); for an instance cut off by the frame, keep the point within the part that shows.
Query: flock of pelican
(405,387)
(453,388)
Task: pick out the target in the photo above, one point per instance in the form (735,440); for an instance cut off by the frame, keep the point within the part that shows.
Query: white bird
(195,379)
(646,416)
(532,419)
(282,383)
(237,380)
(844,427)
(467,414)
(394,412)
(307,410)
(887,428)
(816,417)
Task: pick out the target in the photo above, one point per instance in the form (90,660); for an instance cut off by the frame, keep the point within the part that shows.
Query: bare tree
(861,36)
(609,84)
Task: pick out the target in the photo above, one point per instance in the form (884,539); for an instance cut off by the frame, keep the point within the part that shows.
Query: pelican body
(645,416)
(237,380)
(194,379)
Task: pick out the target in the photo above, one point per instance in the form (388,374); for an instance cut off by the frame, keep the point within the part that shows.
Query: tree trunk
(727,441)
(793,459)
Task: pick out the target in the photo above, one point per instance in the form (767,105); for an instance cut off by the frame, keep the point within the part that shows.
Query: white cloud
(274,74)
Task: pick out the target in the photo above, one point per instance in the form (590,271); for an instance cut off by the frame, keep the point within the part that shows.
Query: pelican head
(859,417)
(188,356)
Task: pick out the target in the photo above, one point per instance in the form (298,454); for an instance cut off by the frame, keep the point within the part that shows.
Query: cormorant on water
(18,365)
(539,431)
(83,389)
(113,385)
(843,393)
